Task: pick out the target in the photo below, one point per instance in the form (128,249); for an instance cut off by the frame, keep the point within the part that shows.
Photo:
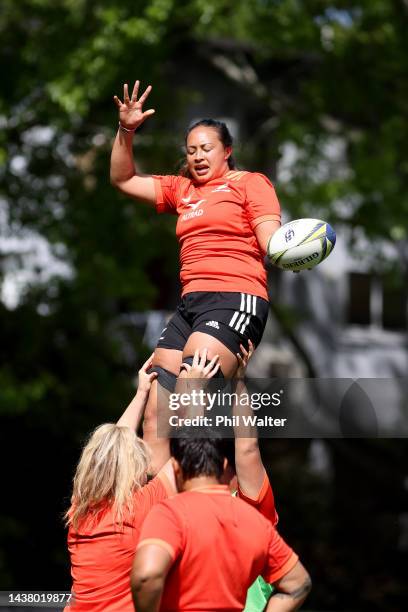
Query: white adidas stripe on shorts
(241,318)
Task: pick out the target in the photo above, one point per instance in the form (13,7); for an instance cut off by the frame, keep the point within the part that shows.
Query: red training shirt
(102,554)
(219,546)
(216,222)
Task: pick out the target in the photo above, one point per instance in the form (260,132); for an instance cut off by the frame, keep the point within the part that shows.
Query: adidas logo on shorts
(213,324)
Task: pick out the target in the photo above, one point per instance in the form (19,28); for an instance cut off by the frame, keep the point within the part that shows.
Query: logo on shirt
(194,206)
(213,324)
(223,187)
(191,215)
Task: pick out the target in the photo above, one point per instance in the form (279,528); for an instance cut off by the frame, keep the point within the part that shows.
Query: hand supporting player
(144,380)
(243,359)
(200,369)
(194,378)
(131,114)
(134,412)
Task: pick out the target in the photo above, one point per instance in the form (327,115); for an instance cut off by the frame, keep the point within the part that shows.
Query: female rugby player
(225,219)
(109,503)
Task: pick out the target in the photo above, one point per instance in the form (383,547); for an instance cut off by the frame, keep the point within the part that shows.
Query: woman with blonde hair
(110,500)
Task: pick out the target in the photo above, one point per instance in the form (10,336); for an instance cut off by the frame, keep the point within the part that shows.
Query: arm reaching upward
(134,412)
(123,174)
(248,462)
(133,415)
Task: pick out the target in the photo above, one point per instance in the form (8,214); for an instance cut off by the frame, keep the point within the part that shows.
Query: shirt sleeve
(167,192)
(153,492)
(165,528)
(145,498)
(264,502)
(281,558)
(261,202)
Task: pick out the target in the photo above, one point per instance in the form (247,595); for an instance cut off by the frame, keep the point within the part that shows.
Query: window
(359,299)
(394,301)
(377,301)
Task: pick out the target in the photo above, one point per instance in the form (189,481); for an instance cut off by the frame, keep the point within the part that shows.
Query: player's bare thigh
(169,359)
(200,340)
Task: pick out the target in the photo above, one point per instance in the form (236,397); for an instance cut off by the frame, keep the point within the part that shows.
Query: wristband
(122,127)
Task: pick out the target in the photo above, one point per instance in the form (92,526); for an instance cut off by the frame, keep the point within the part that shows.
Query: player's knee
(165,378)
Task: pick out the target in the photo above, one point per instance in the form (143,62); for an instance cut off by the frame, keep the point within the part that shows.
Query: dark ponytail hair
(223,134)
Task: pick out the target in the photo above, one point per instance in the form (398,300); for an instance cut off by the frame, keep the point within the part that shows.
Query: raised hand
(243,359)
(134,412)
(131,113)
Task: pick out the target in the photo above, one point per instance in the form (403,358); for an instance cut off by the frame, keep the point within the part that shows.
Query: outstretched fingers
(135,91)
(117,101)
(244,356)
(247,354)
(126,93)
(145,94)
(203,358)
(131,109)
(212,367)
(244,352)
(196,358)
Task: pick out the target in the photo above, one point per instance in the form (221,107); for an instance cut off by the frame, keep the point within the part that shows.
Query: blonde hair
(113,464)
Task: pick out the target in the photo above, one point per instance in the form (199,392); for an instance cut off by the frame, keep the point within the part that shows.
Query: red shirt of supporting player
(216,222)
(102,553)
(219,545)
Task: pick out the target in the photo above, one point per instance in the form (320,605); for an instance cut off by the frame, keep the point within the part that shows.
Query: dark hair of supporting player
(202,456)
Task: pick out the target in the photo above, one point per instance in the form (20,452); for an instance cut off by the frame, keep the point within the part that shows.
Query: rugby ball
(301,244)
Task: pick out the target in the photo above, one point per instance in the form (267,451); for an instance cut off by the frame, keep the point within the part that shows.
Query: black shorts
(232,318)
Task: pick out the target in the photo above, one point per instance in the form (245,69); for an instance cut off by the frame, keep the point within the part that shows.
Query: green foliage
(310,74)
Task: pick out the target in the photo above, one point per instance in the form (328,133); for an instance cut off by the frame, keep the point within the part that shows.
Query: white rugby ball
(301,244)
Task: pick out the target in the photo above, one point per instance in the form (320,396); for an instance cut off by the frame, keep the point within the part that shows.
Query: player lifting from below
(110,500)
(225,219)
(202,549)
(253,485)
